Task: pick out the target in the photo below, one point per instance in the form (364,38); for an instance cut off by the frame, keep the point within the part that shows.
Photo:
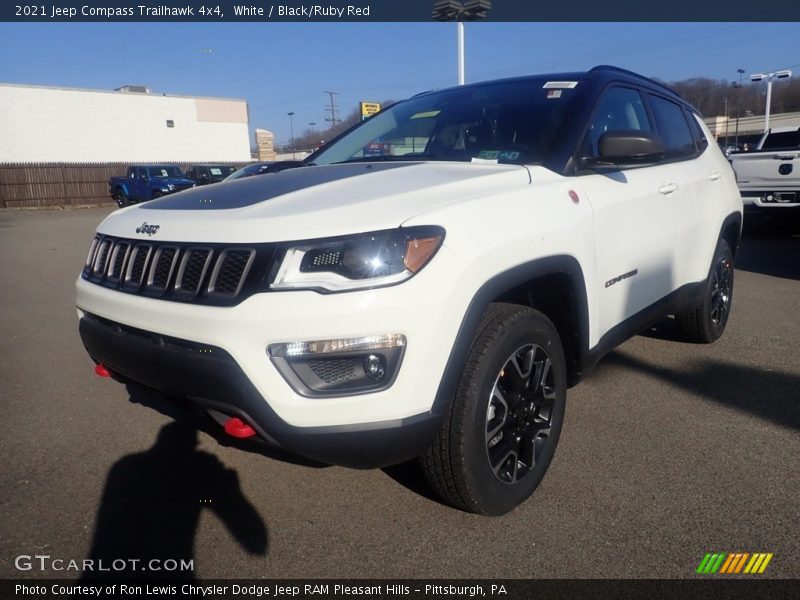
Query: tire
(156,194)
(122,198)
(504,421)
(706,322)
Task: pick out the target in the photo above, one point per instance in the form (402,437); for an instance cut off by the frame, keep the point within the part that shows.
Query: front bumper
(210,378)
(126,333)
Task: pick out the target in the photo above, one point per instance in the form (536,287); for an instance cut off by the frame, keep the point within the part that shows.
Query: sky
(286,67)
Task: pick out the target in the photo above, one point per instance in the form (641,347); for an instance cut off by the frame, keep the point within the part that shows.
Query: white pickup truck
(769,178)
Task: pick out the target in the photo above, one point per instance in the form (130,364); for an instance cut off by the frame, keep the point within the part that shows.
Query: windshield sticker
(426,115)
(564,85)
(484,161)
(215,171)
(497,155)
(554,93)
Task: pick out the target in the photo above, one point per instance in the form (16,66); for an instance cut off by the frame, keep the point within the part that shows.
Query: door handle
(714,175)
(668,188)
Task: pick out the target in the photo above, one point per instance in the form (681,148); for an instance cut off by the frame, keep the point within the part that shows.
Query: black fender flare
(493,289)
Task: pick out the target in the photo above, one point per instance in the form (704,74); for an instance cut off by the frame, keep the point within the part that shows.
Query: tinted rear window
(673,128)
(781,141)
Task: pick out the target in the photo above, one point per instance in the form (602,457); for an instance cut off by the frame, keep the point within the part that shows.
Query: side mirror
(629,148)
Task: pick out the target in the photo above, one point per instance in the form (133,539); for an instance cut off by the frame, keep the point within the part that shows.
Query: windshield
(505,122)
(164,172)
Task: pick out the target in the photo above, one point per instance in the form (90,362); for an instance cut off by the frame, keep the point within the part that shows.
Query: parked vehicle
(769,177)
(436,299)
(205,174)
(249,171)
(146,182)
(265,167)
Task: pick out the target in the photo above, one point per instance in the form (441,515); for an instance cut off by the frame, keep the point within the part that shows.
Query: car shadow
(410,475)
(151,505)
(771,249)
(766,394)
(189,413)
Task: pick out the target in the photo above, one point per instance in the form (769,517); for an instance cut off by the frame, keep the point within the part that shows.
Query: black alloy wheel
(519,413)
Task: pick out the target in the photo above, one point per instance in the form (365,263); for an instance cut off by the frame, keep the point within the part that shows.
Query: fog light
(340,367)
(375,367)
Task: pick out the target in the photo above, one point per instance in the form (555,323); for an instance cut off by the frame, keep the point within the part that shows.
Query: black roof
(600,74)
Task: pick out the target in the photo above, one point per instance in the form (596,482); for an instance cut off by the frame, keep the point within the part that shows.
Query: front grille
(161,269)
(229,273)
(136,266)
(117,261)
(192,271)
(101,259)
(213,274)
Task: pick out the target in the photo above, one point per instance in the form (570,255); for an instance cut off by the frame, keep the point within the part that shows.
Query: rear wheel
(706,322)
(505,419)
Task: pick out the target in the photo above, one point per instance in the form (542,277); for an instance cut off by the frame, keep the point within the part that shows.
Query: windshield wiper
(388,157)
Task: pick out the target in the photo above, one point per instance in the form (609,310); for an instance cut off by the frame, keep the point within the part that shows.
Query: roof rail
(636,75)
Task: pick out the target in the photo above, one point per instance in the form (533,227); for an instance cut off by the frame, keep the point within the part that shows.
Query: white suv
(431,282)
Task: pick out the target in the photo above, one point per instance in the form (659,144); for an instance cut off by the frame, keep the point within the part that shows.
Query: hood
(172,180)
(312,202)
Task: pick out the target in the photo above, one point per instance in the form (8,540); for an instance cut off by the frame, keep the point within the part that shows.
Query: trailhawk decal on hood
(252,190)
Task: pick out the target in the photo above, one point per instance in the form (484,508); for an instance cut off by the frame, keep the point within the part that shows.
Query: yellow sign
(369,108)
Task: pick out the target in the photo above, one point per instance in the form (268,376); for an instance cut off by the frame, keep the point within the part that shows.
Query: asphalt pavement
(669,451)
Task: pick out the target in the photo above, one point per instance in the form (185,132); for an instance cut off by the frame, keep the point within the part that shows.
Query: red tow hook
(239,429)
(101,371)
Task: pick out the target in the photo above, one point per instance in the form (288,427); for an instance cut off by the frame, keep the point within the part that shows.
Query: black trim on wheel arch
(489,292)
(210,377)
(735,218)
(687,295)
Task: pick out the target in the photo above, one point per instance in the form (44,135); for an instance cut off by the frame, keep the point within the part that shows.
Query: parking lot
(669,451)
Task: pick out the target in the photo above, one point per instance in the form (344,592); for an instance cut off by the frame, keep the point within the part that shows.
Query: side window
(673,128)
(618,108)
(700,139)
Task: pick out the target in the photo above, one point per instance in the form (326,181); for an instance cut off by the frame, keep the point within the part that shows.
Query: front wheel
(706,322)
(122,198)
(505,418)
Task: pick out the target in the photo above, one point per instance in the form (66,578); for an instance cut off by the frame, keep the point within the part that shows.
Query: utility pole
(332,108)
(291,128)
(738,106)
(726,121)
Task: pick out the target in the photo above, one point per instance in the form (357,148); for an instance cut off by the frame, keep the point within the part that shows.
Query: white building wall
(40,124)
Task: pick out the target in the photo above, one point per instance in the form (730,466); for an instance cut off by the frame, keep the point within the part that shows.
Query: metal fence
(45,185)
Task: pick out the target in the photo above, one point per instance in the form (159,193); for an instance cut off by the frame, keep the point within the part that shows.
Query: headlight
(171,187)
(355,262)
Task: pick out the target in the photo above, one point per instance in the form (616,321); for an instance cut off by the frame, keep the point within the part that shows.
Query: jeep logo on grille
(148,229)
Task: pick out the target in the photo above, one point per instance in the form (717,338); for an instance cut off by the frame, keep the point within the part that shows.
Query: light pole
(470,10)
(726,121)
(738,106)
(291,129)
(784,74)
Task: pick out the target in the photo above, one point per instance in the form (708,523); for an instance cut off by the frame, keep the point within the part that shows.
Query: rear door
(702,188)
(635,213)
